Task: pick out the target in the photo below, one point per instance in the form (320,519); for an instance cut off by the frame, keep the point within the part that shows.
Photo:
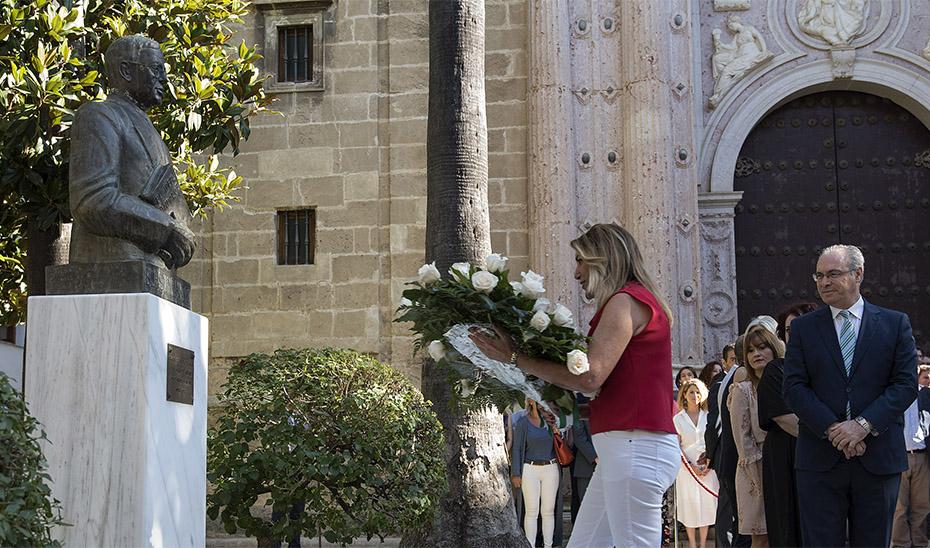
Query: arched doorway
(834,167)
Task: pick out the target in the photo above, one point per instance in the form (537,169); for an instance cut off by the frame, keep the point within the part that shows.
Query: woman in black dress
(778,477)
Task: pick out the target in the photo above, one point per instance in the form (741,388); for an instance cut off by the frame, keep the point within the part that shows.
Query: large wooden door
(835,167)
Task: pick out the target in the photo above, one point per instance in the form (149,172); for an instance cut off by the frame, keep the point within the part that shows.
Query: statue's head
(136,65)
(734,23)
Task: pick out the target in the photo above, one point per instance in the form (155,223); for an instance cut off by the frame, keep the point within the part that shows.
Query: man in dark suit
(721,457)
(850,373)
(583,465)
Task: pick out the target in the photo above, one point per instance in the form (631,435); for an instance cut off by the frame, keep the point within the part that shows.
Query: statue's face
(147,78)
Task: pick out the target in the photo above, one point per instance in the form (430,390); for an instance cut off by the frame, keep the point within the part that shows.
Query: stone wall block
(347,268)
(297,162)
(320,192)
(356,295)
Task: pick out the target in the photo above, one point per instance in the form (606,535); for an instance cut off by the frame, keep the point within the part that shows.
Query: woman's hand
(497,346)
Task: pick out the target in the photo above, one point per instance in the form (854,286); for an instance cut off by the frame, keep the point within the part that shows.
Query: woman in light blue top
(535,471)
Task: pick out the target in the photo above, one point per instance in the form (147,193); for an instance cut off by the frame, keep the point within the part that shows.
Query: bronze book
(163,192)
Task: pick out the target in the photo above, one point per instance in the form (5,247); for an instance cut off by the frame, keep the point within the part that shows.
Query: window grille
(296,236)
(295,53)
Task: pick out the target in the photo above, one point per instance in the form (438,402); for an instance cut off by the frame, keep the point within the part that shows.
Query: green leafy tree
(27,509)
(346,435)
(51,62)
(12,275)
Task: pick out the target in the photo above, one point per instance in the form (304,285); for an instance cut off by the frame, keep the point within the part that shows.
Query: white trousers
(623,503)
(540,485)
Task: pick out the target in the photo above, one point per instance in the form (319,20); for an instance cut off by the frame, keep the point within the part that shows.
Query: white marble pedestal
(128,466)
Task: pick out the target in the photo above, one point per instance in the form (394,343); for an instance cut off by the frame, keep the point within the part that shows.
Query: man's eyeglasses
(157,70)
(832,275)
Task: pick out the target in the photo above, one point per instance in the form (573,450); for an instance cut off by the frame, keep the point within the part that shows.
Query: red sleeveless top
(638,392)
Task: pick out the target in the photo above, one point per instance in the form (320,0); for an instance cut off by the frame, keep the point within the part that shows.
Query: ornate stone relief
(731,62)
(841,62)
(926,51)
(836,22)
(732,5)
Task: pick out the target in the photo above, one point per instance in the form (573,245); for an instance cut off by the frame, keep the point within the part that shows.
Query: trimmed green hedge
(346,435)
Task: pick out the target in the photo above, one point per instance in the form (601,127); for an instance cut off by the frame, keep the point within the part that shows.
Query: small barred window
(295,54)
(296,236)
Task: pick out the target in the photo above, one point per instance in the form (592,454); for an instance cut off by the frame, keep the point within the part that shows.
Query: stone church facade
(629,111)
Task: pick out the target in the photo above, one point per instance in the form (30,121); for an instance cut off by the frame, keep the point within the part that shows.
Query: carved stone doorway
(834,167)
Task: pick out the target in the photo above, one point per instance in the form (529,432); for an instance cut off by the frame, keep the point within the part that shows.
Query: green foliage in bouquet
(27,509)
(346,435)
(475,295)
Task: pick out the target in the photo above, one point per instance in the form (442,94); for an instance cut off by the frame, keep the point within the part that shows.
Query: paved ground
(244,542)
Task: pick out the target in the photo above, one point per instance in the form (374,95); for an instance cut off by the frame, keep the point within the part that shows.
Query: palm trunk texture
(477,511)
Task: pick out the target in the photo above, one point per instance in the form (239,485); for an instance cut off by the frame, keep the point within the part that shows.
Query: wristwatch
(863,422)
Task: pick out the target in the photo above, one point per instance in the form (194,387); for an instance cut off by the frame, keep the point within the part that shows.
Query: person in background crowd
(729,357)
(535,471)
(779,487)
(760,347)
(923,375)
(686,373)
(850,373)
(696,507)
(584,464)
(722,457)
(709,372)
(909,526)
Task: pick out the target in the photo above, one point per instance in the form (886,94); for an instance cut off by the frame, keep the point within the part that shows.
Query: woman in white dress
(696,507)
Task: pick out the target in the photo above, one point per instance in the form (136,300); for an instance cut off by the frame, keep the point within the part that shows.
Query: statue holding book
(125,198)
(130,230)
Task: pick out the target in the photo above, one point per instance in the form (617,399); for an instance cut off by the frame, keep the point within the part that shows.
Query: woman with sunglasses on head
(630,357)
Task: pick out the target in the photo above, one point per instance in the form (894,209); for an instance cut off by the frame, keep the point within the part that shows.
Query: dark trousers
(296,513)
(579,486)
(847,493)
(726,528)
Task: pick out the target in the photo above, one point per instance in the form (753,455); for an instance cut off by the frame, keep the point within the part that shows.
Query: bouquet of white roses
(444,310)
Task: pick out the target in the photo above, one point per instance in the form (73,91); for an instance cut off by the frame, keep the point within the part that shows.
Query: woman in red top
(630,357)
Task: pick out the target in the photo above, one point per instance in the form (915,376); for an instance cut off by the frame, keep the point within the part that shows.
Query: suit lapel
(828,334)
(866,330)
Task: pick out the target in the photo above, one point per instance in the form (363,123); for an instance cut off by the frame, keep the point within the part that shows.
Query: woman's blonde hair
(757,336)
(613,259)
(683,391)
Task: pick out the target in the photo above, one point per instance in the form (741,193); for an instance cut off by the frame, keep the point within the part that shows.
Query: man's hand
(517,481)
(856,450)
(702,459)
(179,247)
(846,434)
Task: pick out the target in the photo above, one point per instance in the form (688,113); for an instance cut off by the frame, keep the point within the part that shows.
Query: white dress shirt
(913,435)
(855,316)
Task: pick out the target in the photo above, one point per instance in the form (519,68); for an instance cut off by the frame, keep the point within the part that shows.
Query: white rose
(540,320)
(495,262)
(428,273)
(462,268)
(541,304)
(532,285)
(562,316)
(578,362)
(484,281)
(465,388)
(517,287)
(405,302)
(436,350)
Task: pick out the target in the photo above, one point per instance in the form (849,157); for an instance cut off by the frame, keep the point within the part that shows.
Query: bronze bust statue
(125,198)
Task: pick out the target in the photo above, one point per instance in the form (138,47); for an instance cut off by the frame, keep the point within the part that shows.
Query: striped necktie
(847,347)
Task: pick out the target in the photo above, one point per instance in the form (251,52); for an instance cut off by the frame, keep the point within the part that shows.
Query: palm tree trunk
(477,511)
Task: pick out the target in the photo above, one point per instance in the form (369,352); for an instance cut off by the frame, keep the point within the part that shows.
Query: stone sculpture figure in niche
(835,21)
(731,62)
(125,198)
